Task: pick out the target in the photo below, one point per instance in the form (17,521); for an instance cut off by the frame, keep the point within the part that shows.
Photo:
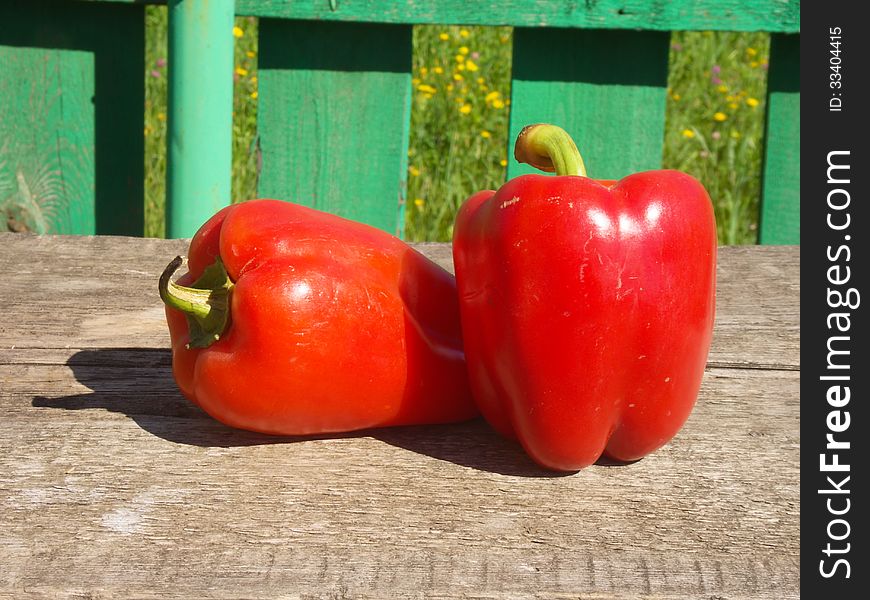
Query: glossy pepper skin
(333,326)
(587,308)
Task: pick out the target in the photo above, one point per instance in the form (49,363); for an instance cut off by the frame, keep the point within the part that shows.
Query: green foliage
(715,122)
(459,121)
(155,120)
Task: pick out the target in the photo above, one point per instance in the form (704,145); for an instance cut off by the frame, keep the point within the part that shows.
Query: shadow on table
(138,382)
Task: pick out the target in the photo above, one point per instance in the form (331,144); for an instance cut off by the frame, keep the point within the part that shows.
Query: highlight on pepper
(586,305)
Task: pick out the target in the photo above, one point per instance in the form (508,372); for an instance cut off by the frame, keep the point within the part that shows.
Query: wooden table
(112,485)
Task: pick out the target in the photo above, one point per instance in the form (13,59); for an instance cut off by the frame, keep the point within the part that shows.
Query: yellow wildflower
(460,67)
(241,72)
(676,97)
(754,64)
(480,80)
(250,54)
(147,131)
(426,89)
(414,171)
(733,106)
(720,116)
(427,96)
(443,36)
(161,116)
(238,32)
(688,133)
(438,70)
(471,65)
(449,87)
(751,51)
(465,109)
(464,33)
(753,102)
(722,89)
(485,134)
(497,103)
(457,77)
(415,81)
(419,202)
(255,94)
(459,58)
(503,162)
(254,79)
(463,50)
(424,71)
(492,96)
(507,102)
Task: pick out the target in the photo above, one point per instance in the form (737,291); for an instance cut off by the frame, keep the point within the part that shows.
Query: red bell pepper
(293,321)
(587,306)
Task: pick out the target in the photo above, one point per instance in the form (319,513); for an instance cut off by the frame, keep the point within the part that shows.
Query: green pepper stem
(205,303)
(549,148)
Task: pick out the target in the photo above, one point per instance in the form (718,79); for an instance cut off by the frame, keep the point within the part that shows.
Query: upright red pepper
(293,321)
(587,306)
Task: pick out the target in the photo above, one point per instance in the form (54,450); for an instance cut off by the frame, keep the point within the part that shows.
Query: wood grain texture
(723,15)
(605,88)
(46,140)
(781,184)
(112,485)
(334,117)
(71,146)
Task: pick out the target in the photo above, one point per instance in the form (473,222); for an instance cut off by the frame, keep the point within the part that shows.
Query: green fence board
(605,88)
(722,15)
(781,197)
(71,145)
(334,117)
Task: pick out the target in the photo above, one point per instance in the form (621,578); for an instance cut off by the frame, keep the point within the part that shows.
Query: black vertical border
(824,131)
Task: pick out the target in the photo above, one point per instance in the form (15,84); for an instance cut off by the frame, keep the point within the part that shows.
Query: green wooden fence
(334,99)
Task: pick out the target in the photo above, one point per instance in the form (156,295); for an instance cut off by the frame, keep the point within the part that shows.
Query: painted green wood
(606,88)
(71,114)
(781,186)
(698,15)
(200,113)
(724,15)
(334,116)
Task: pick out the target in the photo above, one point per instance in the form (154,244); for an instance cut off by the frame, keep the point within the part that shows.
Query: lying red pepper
(293,321)
(587,306)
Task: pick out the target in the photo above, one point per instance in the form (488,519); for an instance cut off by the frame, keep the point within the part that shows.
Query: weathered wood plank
(113,485)
(333,117)
(105,289)
(65,92)
(585,82)
(781,190)
(100,495)
(723,15)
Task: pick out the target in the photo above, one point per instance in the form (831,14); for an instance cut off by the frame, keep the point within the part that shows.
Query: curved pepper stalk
(205,302)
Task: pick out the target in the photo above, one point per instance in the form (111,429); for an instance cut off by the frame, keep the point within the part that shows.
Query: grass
(715,122)
(459,121)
